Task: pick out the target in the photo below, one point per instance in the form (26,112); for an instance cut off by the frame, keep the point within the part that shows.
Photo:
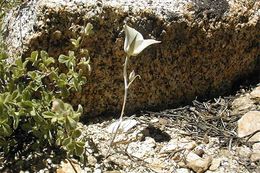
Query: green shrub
(31,94)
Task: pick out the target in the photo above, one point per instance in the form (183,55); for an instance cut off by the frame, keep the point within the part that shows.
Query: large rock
(207,45)
(248,124)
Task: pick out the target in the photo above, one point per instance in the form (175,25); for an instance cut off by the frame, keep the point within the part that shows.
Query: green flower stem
(126,88)
(123,106)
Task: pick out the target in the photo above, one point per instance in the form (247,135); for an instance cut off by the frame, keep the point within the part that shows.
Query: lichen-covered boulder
(207,45)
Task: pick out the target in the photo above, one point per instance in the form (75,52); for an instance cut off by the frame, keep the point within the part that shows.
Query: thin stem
(126,87)
(123,106)
(133,80)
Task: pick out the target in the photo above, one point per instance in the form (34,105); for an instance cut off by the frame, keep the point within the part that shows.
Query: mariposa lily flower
(134,41)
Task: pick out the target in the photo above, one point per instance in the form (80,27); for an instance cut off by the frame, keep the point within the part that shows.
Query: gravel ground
(166,141)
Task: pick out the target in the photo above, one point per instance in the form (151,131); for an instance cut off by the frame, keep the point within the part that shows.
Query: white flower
(134,41)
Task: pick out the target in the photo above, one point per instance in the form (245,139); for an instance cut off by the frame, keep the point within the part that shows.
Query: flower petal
(130,35)
(139,36)
(132,47)
(141,45)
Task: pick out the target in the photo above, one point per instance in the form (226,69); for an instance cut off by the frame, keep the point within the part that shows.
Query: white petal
(132,75)
(130,35)
(132,47)
(139,36)
(141,45)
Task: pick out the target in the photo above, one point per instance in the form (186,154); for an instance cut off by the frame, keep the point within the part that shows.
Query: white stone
(182,170)
(249,123)
(142,149)
(244,151)
(255,94)
(170,147)
(91,160)
(66,167)
(192,156)
(125,126)
(156,164)
(150,142)
(215,164)
(198,164)
(98,170)
(154,120)
(256,147)
(188,146)
(255,156)
(242,105)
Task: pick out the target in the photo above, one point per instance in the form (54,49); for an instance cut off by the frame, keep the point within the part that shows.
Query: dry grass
(203,119)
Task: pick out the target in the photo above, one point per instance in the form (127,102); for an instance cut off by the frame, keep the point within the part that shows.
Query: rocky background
(207,47)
